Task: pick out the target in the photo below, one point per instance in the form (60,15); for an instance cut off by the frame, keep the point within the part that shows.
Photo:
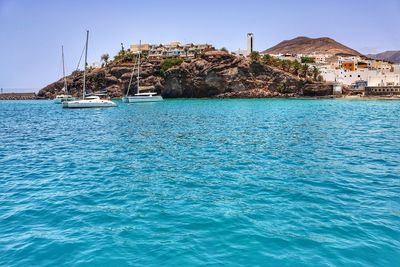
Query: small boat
(63,97)
(140,97)
(92,101)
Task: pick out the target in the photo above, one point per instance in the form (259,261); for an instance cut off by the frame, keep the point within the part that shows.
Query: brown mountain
(391,56)
(305,45)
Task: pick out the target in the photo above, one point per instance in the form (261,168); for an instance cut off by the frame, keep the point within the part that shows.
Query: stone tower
(250,43)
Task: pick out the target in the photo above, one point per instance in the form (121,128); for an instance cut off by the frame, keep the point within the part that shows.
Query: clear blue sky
(32,31)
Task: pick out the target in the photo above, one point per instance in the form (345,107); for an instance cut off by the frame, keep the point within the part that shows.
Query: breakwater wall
(382,90)
(18,96)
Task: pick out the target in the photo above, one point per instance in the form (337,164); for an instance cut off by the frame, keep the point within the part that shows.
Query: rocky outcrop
(214,74)
(317,89)
(255,93)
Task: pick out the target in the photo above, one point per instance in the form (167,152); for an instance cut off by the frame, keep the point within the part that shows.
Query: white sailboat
(63,97)
(88,101)
(140,97)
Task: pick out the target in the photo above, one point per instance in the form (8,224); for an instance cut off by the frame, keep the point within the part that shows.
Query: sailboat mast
(65,79)
(130,80)
(84,72)
(138,73)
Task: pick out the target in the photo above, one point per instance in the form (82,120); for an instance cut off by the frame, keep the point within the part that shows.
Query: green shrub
(104,58)
(124,56)
(168,63)
(315,73)
(268,59)
(307,60)
(255,56)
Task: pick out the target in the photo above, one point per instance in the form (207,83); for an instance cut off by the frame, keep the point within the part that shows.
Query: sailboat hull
(89,104)
(142,99)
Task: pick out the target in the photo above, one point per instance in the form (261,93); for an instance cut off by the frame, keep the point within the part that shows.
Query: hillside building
(320,58)
(348,66)
(173,49)
(241,52)
(381,65)
(250,47)
(396,68)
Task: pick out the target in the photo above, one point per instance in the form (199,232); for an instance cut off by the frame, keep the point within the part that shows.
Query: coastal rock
(318,89)
(111,80)
(114,91)
(217,54)
(119,71)
(213,74)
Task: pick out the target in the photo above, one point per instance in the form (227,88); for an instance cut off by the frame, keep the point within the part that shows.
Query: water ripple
(201,183)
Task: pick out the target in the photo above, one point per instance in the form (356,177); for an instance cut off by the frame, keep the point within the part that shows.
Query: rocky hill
(214,74)
(391,56)
(305,45)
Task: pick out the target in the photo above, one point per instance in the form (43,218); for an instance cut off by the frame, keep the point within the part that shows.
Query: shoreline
(16,97)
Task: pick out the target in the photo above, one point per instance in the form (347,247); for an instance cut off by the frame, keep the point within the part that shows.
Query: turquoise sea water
(201,183)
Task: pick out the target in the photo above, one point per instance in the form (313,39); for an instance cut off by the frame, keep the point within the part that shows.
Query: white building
(345,77)
(343,59)
(384,79)
(384,66)
(396,68)
(241,52)
(250,46)
(328,73)
(350,77)
(286,57)
(320,58)
(372,77)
